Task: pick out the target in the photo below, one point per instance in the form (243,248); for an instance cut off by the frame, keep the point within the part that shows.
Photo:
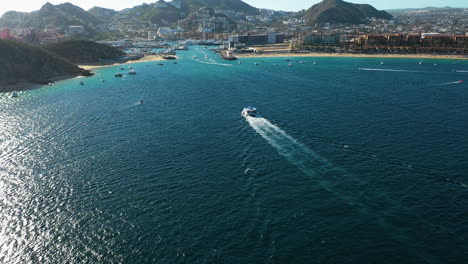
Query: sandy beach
(99,65)
(317,54)
(22,86)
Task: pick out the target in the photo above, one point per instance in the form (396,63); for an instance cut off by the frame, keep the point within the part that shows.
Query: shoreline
(352,55)
(25,86)
(99,65)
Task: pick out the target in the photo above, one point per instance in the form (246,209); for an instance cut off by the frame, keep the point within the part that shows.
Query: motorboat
(250,111)
(14,95)
(169,57)
(81,83)
(132,72)
(160,64)
(118,75)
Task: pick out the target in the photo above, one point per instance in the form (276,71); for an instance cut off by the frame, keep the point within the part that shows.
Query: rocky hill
(50,15)
(83,51)
(24,63)
(104,14)
(338,11)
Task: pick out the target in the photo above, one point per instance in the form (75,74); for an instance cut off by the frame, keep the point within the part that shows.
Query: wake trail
(339,182)
(214,63)
(386,70)
(449,83)
(329,176)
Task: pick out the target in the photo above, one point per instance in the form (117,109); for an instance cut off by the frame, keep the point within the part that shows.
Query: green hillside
(83,51)
(21,62)
(338,11)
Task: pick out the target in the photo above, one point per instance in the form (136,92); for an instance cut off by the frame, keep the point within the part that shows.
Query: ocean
(350,161)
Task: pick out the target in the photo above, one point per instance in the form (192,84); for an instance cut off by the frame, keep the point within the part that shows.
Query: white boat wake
(449,83)
(308,161)
(213,63)
(385,70)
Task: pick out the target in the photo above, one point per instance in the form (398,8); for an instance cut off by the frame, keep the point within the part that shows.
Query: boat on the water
(169,57)
(14,95)
(81,83)
(118,74)
(132,72)
(250,111)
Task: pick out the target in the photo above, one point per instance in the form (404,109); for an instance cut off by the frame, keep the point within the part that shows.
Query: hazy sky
(290,5)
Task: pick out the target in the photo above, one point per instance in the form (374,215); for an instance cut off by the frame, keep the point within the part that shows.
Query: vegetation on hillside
(21,62)
(338,11)
(83,51)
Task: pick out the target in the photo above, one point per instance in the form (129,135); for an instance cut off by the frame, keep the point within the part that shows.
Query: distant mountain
(424,8)
(163,12)
(104,14)
(158,13)
(236,5)
(50,15)
(23,63)
(338,11)
(83,51)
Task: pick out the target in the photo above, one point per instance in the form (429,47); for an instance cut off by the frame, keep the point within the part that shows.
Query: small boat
(288,59)
(435,64)
(420,63)
(130,67)
(301,62)
(249,111)
(315,62)
(14,95)
(382,63)
(132,72)
(255,63)
(122,68)
(290,64)
(160,64)
(169,57)
(118,75)
(81,83)
(141,101)
(239,62)
(175,62)
(102,80)
(50,84)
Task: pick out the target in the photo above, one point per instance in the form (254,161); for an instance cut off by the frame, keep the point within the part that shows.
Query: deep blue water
(345,166)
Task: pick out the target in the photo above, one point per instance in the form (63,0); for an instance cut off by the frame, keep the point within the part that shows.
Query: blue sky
(290,5)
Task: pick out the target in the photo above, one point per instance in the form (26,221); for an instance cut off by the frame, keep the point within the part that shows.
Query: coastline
(99,65)
(351,55)
(24,85)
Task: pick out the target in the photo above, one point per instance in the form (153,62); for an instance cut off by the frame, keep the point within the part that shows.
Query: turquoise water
(351,162)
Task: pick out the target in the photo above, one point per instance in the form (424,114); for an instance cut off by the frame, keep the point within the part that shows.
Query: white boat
(250,111)
(290,64)
(14,95)
(420,62)
(382,63)
(132,72)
